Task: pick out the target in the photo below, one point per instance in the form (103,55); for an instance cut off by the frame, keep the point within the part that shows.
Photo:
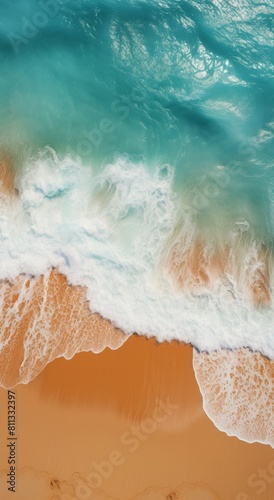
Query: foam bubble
(238,393)
(45,318)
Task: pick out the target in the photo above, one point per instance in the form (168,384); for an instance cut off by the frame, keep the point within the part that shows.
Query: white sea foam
(109,232)
(237,389)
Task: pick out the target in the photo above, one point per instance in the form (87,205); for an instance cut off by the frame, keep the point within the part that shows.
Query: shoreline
(137,409)
(42,313)
(46,319)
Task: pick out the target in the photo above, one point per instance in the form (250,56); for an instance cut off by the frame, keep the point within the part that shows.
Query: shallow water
(137,159)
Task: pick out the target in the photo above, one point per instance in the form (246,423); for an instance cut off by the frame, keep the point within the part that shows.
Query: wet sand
(238,392)
(6,176)
(127,424)
(44,318)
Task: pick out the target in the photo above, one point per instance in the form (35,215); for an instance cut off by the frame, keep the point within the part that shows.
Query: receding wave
(45,318)
(237,389)
(145,261)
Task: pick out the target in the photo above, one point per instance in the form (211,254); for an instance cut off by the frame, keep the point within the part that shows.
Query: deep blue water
(185,83)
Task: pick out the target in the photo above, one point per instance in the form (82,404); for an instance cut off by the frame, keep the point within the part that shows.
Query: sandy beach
(126,424)
(136,250)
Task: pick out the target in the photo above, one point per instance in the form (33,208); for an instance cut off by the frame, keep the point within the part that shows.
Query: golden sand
(127,424)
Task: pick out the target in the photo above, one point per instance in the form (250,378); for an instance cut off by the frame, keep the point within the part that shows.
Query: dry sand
(137,409)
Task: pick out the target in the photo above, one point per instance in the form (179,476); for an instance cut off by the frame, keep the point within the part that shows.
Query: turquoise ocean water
(134,126)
